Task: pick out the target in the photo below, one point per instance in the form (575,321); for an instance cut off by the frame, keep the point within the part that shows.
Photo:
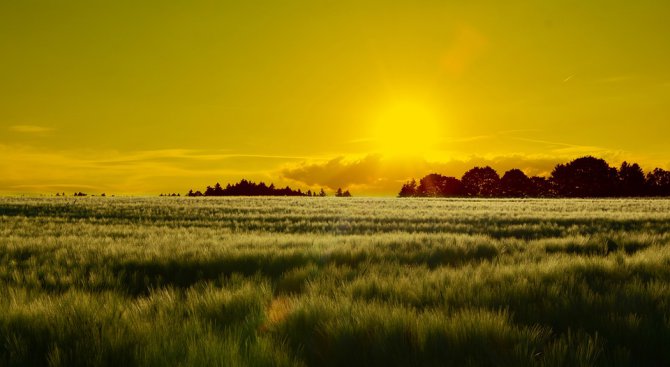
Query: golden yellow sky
(160,96)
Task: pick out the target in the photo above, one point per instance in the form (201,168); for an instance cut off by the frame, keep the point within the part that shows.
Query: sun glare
(406,128)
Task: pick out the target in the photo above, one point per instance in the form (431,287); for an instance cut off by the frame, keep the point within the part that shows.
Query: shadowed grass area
(327,282)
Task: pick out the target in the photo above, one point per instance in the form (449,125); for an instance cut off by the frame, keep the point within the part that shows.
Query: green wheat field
(334,282)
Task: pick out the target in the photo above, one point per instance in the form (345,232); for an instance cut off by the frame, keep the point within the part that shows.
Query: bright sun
(406,128)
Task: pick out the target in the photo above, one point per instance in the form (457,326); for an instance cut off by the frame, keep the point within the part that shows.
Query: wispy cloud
(30,129)
(30,169)
(568,78)
(381,175)
(516,131)
(376,174)
(568,149)
(54,186)
(617,79)
(466,139)
(190,155)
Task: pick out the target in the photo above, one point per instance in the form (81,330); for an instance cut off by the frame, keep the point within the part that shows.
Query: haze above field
(162,96)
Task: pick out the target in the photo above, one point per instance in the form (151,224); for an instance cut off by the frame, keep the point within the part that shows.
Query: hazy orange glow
(162,96)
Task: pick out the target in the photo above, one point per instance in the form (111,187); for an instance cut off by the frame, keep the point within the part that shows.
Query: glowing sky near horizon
(161,96)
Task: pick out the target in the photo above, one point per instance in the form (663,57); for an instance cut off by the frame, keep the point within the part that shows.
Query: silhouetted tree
(483,182)
(248,188)
(429,185)
(631,180)
(342,194)
(322,193)
(436,185)
(408,189)
(514,183)
(541,187)
(261,189)
(658,182)
(585,177)
(218,190)
(582,177)
(191,193)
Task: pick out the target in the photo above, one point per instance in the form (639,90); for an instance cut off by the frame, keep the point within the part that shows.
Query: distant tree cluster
(340,194)
(248,188)
(59,194)
(582,177)
(173,194)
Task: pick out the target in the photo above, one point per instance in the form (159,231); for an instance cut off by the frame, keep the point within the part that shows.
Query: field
(334,282)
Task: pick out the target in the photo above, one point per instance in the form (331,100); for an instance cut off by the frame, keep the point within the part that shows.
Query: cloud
(617,79)
(378,175)
(30,129)
(26,169)
(569,78)
(375,174)
(337,172)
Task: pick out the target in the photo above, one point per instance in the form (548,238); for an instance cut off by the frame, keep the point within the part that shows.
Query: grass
(330,282)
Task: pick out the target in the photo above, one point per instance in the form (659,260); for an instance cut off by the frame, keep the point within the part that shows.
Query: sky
(150,97)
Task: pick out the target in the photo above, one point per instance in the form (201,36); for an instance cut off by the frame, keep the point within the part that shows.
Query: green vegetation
(327,282)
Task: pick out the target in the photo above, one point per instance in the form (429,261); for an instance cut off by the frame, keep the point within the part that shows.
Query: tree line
(582,177)
(248,188)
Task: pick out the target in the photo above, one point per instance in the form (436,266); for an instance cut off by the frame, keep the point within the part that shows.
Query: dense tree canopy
(631,179)
(481,182)
(658,182)
(408,189)
(582,177)
(585,177)
(515,183)
(438,185)
(248,188)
